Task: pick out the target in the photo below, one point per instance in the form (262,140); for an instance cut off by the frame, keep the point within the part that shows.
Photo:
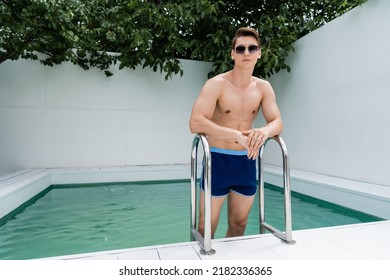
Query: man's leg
(239,207)
(216,205)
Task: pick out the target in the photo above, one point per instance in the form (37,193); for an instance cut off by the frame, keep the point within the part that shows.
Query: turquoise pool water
(87,218)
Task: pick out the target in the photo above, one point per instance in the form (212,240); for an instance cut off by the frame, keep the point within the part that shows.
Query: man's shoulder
(218,79)
(260,81)
(262,85)
(217,82)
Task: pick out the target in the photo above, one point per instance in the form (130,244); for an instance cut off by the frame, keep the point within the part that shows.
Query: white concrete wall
(67,117)
(335,102)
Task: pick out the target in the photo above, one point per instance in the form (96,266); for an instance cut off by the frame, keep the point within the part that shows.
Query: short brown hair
(244,32)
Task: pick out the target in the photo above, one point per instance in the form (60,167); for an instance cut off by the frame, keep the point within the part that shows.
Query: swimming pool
(87,218)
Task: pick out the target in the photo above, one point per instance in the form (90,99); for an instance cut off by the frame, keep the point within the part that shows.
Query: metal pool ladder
(287,235)
(205,241)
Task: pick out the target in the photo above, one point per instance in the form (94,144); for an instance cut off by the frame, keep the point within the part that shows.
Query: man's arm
(271,113)
(202,113)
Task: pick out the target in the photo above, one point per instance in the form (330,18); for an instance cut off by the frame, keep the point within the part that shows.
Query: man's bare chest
(236,105)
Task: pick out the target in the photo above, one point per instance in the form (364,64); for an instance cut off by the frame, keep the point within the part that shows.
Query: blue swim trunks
(231,170)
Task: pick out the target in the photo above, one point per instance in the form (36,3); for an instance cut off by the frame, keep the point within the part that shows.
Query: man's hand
(243,140)
(255,139)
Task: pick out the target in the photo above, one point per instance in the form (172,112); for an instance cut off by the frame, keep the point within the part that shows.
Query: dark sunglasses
(251,49)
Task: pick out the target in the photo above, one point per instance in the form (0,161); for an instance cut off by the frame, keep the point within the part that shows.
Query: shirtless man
(225,111)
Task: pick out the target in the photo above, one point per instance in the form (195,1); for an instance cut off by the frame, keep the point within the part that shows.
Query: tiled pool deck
(354,242)
(369,241)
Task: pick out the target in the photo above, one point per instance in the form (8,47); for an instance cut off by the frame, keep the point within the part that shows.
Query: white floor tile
(252,249)
(222,252)
(361,248)
(178,253)
(296,251)
(324,248)
(150,254)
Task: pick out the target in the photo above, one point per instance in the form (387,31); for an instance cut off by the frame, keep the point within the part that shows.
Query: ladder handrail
(203,241)
(287,235)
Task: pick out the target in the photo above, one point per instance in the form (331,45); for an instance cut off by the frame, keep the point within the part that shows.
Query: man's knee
(238,223)
(237,227)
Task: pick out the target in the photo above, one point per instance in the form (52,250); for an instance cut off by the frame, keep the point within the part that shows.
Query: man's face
(246,52)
